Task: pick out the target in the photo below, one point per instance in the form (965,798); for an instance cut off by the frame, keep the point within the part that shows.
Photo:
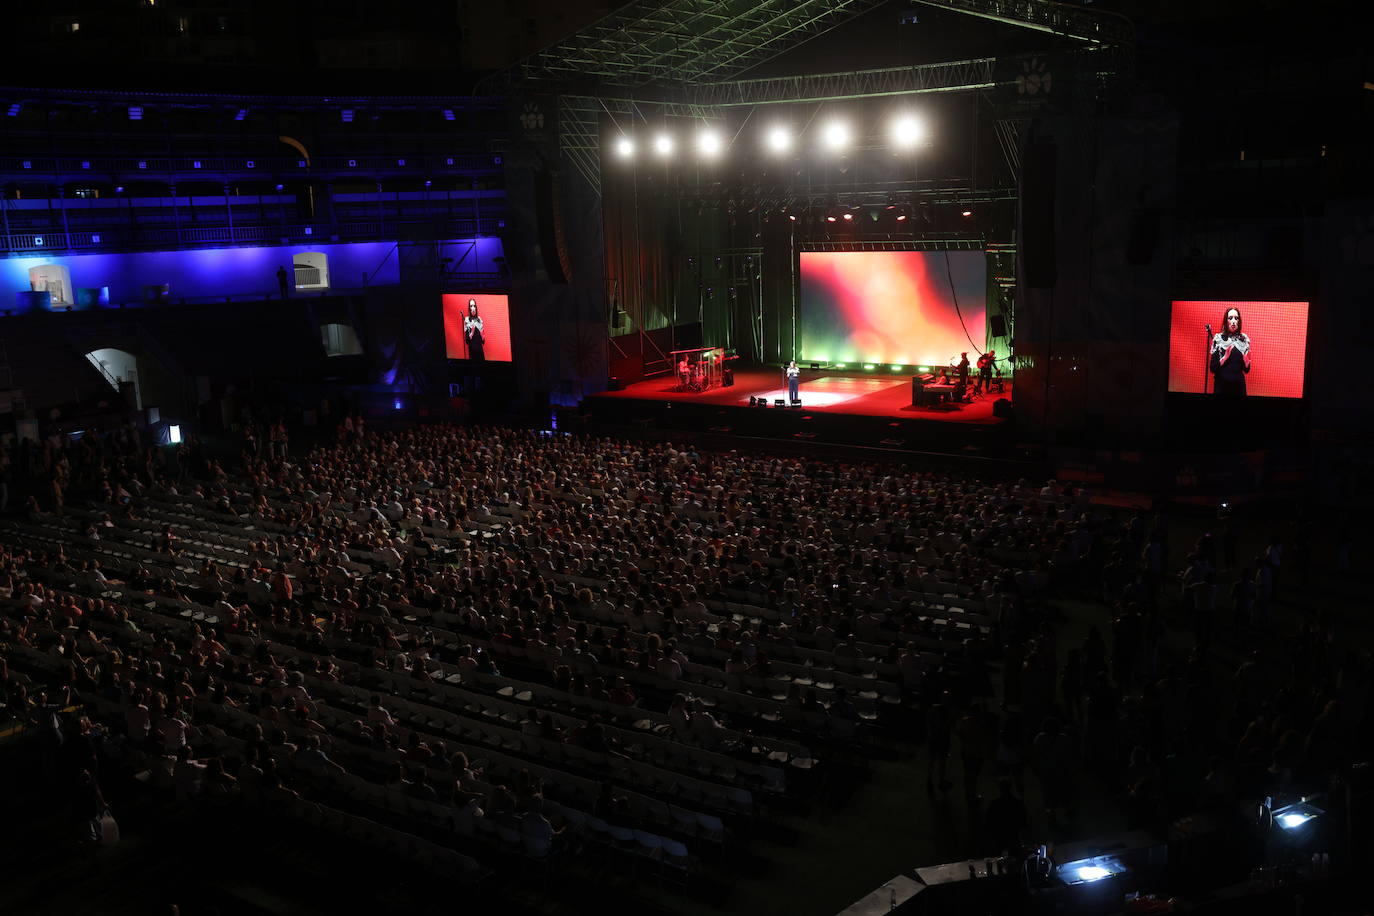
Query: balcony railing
(133,238)
(248,164)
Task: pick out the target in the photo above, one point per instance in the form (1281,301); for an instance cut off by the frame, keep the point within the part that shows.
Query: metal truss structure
(678,42)
(926,242)
(580,115)
(1080,23)
(686,56)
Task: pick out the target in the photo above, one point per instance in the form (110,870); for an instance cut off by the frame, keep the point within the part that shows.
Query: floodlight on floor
(1088,871)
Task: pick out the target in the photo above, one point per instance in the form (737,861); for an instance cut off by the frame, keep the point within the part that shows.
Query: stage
(852,408)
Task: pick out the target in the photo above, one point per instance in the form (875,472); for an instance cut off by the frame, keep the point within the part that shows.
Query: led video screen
(894,307)
(1226,348)
(477,327)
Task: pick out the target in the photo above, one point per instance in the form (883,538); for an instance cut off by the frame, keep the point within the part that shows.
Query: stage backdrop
(1278,336)
(895,307)
(495,312)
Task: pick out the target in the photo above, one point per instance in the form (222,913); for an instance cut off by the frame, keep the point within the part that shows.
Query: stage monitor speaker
(779,402)
(998,326)
(614,384)
(727,377)
(1001,407)
(1038,190)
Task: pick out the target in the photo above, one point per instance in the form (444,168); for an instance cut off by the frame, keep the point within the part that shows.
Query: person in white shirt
(377,713)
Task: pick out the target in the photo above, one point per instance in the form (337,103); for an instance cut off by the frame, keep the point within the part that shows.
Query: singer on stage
(1231,356)
(793,381)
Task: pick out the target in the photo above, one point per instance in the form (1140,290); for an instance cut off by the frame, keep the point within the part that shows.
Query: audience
(658,593)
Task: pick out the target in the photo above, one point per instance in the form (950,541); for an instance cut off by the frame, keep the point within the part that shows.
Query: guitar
(987,359)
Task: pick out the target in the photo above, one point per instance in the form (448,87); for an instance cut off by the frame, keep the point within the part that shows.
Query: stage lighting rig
(835,136)
(625,148)
(709,143)
(907,132)
(663,145)
(779,139)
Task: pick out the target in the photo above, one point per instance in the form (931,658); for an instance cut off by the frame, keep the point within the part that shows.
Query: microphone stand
(1207,363)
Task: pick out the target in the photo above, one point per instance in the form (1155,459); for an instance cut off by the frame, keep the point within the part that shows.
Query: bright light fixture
(624,147)
(779,139)
(663,144)
(709,143)
(1093,873)
(835,136)
(1293,821)
(907,132)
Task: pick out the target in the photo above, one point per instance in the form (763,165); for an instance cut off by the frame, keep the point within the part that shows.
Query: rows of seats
(267,567)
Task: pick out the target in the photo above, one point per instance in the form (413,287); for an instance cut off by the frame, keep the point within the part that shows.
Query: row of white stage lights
(906,132)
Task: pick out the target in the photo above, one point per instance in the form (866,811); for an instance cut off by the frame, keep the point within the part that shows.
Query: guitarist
(985,364)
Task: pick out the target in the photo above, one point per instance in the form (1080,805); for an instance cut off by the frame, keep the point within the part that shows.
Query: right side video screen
(1238,349)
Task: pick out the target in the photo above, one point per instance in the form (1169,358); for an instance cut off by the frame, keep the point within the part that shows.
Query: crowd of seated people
(504,640)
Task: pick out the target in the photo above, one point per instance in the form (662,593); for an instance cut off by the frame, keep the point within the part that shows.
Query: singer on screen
(472,331)
(1231,356)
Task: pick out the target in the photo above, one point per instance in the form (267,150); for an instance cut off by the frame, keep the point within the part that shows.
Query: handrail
(17,240)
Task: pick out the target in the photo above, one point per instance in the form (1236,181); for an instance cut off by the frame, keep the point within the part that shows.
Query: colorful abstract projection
(1277,332)
(904,308)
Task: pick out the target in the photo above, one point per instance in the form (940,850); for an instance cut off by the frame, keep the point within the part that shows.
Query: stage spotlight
(663,145)
(831,217)
(753,400)
(901,216)
(709,143)
(835,136)
(779,139)
(966,213)
(907,132)
(624,148)
(847,216)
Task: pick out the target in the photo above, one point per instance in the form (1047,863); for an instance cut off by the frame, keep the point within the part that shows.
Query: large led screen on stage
(1228,348)
(893,307)
(477,326)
